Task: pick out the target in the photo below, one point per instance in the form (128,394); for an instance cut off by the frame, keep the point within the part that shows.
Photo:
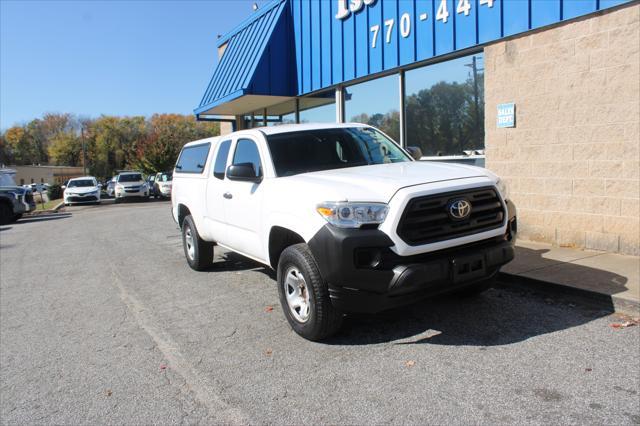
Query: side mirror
(416,153)
(243,172)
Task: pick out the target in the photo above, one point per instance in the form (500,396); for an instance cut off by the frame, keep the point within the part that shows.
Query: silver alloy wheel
(297,294)
(188,238)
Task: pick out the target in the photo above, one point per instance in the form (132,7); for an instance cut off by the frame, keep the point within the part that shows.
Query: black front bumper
(364,275)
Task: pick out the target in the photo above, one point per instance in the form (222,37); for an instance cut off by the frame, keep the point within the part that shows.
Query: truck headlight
(353,215)
(502,188)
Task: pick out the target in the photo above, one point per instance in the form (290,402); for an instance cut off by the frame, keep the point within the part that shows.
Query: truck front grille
(427,219)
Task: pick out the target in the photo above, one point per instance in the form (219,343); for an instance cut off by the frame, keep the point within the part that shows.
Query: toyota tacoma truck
(345,216)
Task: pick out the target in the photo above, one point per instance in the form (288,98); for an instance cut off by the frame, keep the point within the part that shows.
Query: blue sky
(109,57)
(136,58)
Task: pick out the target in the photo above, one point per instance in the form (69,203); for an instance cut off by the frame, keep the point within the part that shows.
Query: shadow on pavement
(43,218)
(497,317)
(230,261)
(531,268)
(6,228)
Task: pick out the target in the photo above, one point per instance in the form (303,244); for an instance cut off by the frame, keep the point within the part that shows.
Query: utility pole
(476,94)
(84,152)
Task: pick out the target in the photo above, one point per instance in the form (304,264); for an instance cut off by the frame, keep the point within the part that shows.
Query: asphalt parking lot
(102,321)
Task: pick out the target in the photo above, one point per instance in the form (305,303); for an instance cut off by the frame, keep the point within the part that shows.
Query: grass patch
(48,205)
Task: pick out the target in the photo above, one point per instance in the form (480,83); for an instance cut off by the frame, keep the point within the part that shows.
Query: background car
(163,182)
(110,187)
(131,185)
(150,184)
(82,190)
(14,200)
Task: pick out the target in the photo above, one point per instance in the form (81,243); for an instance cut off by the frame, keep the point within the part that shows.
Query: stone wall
(573,160)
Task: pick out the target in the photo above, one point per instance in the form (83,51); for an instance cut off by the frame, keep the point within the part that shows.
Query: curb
(588,297)
(58,206)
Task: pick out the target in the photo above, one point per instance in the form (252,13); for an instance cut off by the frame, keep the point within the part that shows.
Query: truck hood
(380,182)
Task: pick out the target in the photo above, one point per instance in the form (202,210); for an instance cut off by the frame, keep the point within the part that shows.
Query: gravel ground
(102,321)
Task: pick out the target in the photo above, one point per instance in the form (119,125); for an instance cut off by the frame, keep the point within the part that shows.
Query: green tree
(66,149)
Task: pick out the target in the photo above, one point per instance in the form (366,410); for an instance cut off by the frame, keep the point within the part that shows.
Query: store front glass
(318,108)
(445,107)
(376,103)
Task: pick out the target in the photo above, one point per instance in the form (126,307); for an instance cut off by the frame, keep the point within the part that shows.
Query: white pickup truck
(347,218)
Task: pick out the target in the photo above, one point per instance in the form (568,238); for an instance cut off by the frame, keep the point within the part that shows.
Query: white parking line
(205,392)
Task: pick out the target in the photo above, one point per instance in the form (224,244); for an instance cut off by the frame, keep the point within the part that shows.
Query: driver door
(243,202)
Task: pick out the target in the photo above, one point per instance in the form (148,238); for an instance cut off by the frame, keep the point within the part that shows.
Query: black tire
(6,214)
(199,253)
(475,289)
(17,217)
(323,319)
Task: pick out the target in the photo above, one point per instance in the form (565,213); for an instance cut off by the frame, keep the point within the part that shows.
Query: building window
(376,103)
(445,107)
(318,108)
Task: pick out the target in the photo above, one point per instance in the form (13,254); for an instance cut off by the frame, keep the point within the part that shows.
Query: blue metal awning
(256,69)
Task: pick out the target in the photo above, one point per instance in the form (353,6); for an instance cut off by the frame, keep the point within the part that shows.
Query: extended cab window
(221,159)
(193,158)
(247,152)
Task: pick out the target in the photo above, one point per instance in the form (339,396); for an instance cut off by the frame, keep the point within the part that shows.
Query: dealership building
(546,93)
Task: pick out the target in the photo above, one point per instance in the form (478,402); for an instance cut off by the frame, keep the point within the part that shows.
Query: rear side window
(221,159)
(193,158)
(247,152)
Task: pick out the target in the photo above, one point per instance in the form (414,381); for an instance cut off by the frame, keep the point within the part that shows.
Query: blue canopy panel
(258,66)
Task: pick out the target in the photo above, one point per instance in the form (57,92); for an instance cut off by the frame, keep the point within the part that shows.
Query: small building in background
(45,174)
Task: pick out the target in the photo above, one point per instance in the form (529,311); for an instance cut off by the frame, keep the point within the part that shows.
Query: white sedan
(82,190)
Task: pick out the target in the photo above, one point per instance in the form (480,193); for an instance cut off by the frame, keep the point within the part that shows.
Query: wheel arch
(183,211)
(279,239)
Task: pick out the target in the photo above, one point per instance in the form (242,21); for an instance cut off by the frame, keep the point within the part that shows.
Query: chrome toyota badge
(459,209)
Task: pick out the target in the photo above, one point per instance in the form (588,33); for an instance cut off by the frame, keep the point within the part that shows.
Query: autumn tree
(158,150)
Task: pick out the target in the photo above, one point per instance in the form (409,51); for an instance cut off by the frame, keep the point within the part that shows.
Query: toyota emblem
(459,209)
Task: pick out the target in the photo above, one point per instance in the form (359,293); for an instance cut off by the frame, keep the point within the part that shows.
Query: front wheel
(199,253)
(304,295)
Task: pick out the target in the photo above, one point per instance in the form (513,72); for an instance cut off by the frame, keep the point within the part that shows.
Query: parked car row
(125,185)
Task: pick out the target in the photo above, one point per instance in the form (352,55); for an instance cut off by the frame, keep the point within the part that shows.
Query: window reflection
(445,107)
(375,103)
(319,108)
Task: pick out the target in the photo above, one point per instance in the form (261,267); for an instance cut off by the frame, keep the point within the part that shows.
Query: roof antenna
(254,7)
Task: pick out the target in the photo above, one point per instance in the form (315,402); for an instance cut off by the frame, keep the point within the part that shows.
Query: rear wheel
(304,295)
(199,253)
(6,214)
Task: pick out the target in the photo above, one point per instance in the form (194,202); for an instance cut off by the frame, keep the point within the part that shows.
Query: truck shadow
(231,262)
(500,316)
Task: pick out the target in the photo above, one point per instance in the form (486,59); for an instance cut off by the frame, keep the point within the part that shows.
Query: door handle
(227,195)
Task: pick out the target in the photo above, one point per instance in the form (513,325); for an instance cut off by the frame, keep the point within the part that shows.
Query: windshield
(326,149)
(165,177)
(81,183)
(133,177)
